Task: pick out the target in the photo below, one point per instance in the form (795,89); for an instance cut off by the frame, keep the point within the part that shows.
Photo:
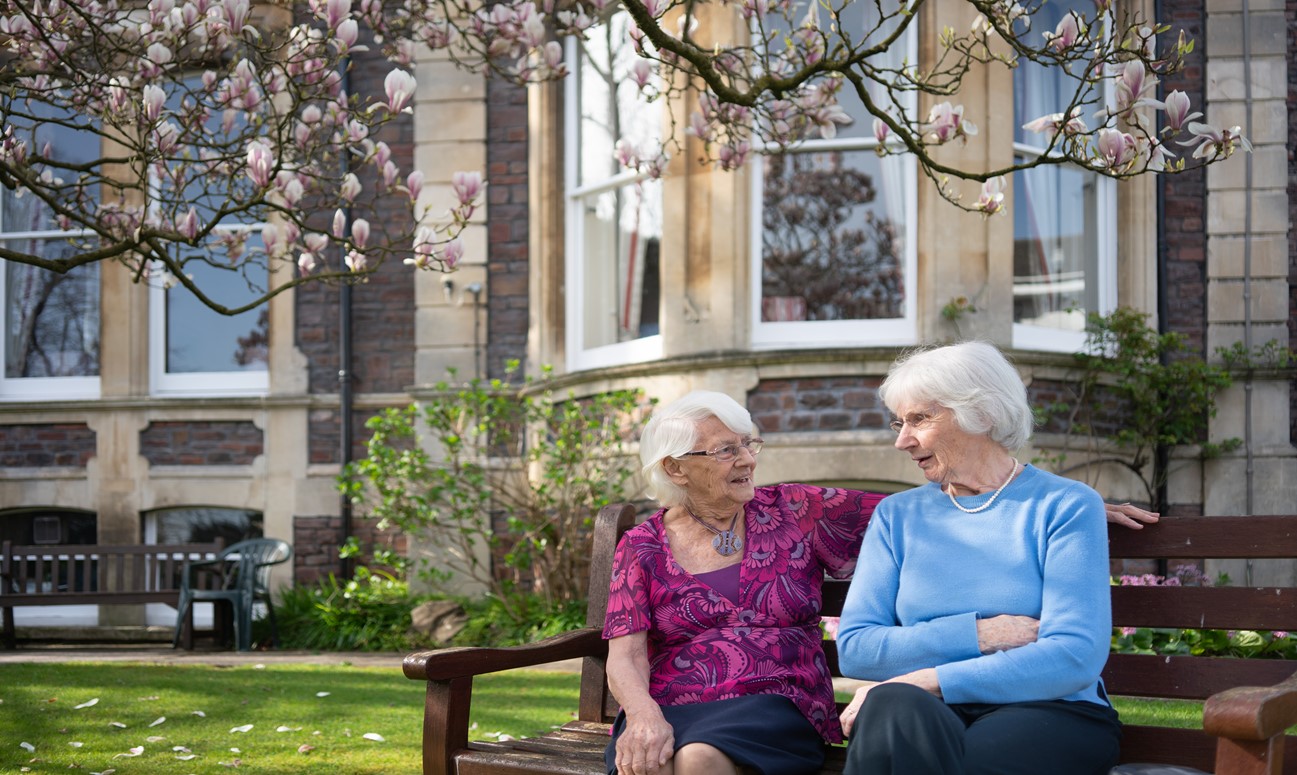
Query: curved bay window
(614,217)
(1064,217)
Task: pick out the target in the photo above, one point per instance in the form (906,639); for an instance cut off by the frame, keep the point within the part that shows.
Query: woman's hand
(646,744)
(849,713)
(1004,632)
(1130,516)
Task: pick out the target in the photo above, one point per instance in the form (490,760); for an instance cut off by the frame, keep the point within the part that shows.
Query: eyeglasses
(917,421)
(730,451)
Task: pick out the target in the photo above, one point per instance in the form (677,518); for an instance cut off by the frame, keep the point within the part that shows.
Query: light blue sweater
(928,571)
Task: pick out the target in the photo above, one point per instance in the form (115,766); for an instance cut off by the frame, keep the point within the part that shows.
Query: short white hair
(673,431)
(974,380)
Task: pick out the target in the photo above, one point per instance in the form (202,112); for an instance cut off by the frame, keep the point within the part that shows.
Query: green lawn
(304,719)
(283,703)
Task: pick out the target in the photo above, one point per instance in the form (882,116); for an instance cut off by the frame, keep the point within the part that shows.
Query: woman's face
(712,485)
(936,443)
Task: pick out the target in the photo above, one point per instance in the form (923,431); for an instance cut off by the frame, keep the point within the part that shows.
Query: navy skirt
(764,733)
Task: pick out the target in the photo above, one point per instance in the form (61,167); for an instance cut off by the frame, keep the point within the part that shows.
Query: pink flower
(1054,123)
(1065,34)
(1215,143)
(881,131)
(991,200)
(400,90)
(350,187)
(189,226)
(467,186)
(1177,110)
(339,223)
(1116,149)
(260,163)
(452,253)
(154,98)
(946,122)
(360,232)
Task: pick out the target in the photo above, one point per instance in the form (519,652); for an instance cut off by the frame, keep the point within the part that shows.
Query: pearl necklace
(951,493)
(726,542)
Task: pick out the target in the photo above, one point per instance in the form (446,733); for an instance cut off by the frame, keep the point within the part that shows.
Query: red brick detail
(507,237)
(1183,237)
(316,541)
(40,446)
(818,404)
(201,443)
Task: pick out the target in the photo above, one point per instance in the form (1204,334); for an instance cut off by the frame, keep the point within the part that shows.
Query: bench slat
(1188,538)
(1216,608)
(1189,678)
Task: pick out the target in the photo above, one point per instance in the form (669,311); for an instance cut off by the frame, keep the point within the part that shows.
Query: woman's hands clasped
(646,744)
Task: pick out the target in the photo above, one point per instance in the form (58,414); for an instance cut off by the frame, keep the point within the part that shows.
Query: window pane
(611,106)
(23,212)
(204,525)
(51,321)
(833,226)
(200,340)
(1039,89)
(621,240)
(1055,246)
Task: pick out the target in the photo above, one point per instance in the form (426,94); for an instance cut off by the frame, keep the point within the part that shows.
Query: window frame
(579,356)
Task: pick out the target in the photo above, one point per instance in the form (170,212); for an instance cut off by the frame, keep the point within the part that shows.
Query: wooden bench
(1244,726)
(92,575)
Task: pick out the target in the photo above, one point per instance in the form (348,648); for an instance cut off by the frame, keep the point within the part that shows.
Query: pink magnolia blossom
(1213,143)
(350,188)
(306,263)
(189,226)
(339,224)
(991,200)
(946,123)
(1116,149)
(154,99)
(399,86)
(260,163)
(881,131)
(452,253)
(270,240)
(467,186)
(414,185)
(1177,110)
(1065,34)
(360,232)
(425,240)
(356,261)
(1054,123)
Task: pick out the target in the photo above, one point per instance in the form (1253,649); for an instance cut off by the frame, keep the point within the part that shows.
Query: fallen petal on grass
(136,751)
(158,720)
(86,704)
(117,724)
(187,757)
(28,747)
(75,744)
(304,748)
(198,713)
(154,739)
(323,694)
(243,728)
(375,737)
(288,729)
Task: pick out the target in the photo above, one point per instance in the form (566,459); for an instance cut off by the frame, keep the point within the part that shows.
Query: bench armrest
(1252,712)
(448,664)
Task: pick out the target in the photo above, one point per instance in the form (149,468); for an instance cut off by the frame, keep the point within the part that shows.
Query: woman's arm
(648,741)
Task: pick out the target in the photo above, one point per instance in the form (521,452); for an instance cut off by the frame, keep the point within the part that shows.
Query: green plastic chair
(243,578)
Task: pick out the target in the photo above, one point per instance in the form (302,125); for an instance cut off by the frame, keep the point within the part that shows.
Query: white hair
(673,431)
(973,380)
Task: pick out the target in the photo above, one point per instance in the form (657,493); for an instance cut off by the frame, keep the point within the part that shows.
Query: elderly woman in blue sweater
(980,601)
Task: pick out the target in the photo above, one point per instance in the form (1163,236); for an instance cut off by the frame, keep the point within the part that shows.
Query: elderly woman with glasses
(981,601)
(714,646)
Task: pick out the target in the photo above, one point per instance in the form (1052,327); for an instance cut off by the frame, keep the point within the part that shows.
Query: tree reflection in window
(829,251)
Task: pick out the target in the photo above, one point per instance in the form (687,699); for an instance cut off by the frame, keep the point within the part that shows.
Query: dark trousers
(904,730)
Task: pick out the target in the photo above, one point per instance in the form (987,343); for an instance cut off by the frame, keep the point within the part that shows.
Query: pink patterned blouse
(703,647)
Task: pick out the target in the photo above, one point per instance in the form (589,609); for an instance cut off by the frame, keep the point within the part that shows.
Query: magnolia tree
(223,131)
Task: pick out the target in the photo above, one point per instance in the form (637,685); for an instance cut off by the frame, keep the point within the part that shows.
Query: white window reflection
(1064,216)
(614,215)
(50,342)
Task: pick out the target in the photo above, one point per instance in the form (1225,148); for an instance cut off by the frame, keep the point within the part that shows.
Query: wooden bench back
(1179,677)
(1222,608)
(76,575)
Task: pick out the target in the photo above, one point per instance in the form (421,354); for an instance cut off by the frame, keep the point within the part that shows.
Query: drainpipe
(345,411)
(1161,459)
(1247,272)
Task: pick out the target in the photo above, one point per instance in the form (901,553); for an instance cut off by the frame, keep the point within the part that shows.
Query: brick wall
(53,444)
(202,443)
(382,307)
(316,541)
(507,234)
(818,404)
(1183,237)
